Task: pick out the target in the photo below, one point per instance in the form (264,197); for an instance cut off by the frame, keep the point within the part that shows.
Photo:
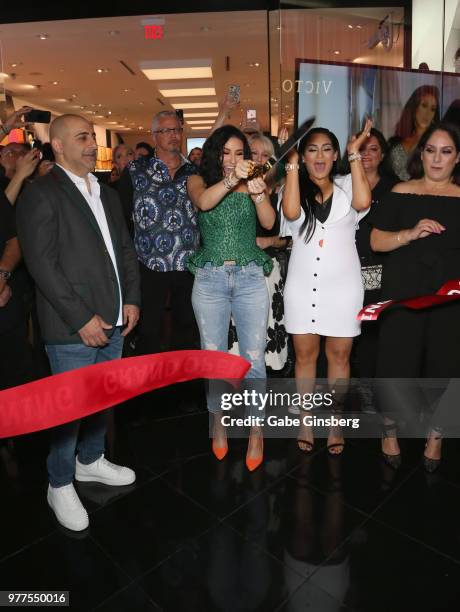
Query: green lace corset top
(228,233)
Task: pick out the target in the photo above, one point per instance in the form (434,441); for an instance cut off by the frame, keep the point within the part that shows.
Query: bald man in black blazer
(77,248)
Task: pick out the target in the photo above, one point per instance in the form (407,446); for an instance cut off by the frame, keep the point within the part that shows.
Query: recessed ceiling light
(187,92)
(205,29)
(141,103)
(112,122)
(254,64)
(73,96)
(336,52)
(201,122)
(42,36)
(114,32)
(100,116)
(177,69)
(210,114)
(101,70)
(54,82)
(15,64)
(359,27)
(109,112)
(140,127)
(30,86)
(184,105)
(126,90)
(60,100)
(82,107)
(203,129)
(350,26)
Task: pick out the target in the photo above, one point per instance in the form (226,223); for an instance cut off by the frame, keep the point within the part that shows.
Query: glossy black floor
(302,532)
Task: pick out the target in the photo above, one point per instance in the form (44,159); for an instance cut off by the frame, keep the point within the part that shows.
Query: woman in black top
(418,225)
(381,182)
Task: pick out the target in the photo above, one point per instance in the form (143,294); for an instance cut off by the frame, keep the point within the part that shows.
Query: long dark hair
(213,150)
(406,124)
(308,189)
(415,165)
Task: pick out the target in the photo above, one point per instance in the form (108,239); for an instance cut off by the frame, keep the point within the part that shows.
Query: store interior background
(94,67)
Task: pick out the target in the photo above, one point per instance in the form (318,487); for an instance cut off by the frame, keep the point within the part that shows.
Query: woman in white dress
(324,290)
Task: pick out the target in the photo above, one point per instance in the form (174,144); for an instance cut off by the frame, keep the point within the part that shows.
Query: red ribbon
(448,293)
(78,393)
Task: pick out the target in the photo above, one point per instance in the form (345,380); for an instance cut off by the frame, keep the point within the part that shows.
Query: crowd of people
(243,263)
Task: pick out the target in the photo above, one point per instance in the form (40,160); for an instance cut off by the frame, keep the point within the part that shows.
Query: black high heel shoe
(393,461)
(431,465)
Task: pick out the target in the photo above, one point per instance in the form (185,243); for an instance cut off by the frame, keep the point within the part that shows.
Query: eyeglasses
(165,131)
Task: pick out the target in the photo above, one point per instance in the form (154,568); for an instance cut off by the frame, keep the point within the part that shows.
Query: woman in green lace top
(229,267)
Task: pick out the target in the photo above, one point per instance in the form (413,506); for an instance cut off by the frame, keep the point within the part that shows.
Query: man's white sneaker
(105,472)
(67,507)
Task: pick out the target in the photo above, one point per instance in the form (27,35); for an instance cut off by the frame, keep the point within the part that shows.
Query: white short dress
(324,290)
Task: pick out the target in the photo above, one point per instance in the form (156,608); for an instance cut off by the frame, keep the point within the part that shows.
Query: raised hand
(356,142)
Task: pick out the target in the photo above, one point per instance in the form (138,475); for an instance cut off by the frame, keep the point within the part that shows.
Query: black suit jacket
(66,256)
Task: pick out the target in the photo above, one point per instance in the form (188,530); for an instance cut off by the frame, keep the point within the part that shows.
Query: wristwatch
(5,274)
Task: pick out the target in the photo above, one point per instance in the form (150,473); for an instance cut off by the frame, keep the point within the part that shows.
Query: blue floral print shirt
(165,220)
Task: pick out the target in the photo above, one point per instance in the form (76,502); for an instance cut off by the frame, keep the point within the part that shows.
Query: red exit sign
(153,32)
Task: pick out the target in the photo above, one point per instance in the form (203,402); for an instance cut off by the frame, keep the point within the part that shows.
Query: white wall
(427,26)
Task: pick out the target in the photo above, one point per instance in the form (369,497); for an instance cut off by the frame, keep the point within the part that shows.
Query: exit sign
(153,32)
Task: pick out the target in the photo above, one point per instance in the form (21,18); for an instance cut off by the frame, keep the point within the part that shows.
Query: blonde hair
(267,143)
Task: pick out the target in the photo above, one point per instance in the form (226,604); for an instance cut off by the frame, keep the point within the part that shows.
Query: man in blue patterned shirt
(165,235)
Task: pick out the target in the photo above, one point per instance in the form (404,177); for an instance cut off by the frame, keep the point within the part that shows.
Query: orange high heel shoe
(252,463)
(219,451)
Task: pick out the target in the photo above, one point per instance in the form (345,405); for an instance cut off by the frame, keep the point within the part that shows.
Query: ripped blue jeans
(222,291)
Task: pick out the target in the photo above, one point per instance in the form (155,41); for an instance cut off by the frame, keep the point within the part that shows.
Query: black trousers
(156,288)
(415,345)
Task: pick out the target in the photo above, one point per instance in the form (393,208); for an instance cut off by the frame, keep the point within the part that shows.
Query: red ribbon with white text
(78,393)
(448,293)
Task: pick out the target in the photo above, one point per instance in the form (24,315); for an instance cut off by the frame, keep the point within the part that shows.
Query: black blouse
(424,265)
(363,234)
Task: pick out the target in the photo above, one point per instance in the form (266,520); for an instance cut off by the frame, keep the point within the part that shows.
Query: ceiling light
(126,90)
(140,127)
(111,122)
(203,129)
(16,64)
(205,29)
(109,112)
(60,100)
(336,52)
(73,96)
(350,26)
(54,82)
(42,36)
(100,70)
(100,116)
(359,27)
(184,105)
(177,69)
(201,122)
(29,86)
(210,114)
(114,32)
(189,93)
(254,64)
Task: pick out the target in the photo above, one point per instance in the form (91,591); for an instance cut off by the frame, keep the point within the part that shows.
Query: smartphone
(180,114)
(37,116)
(234,93)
